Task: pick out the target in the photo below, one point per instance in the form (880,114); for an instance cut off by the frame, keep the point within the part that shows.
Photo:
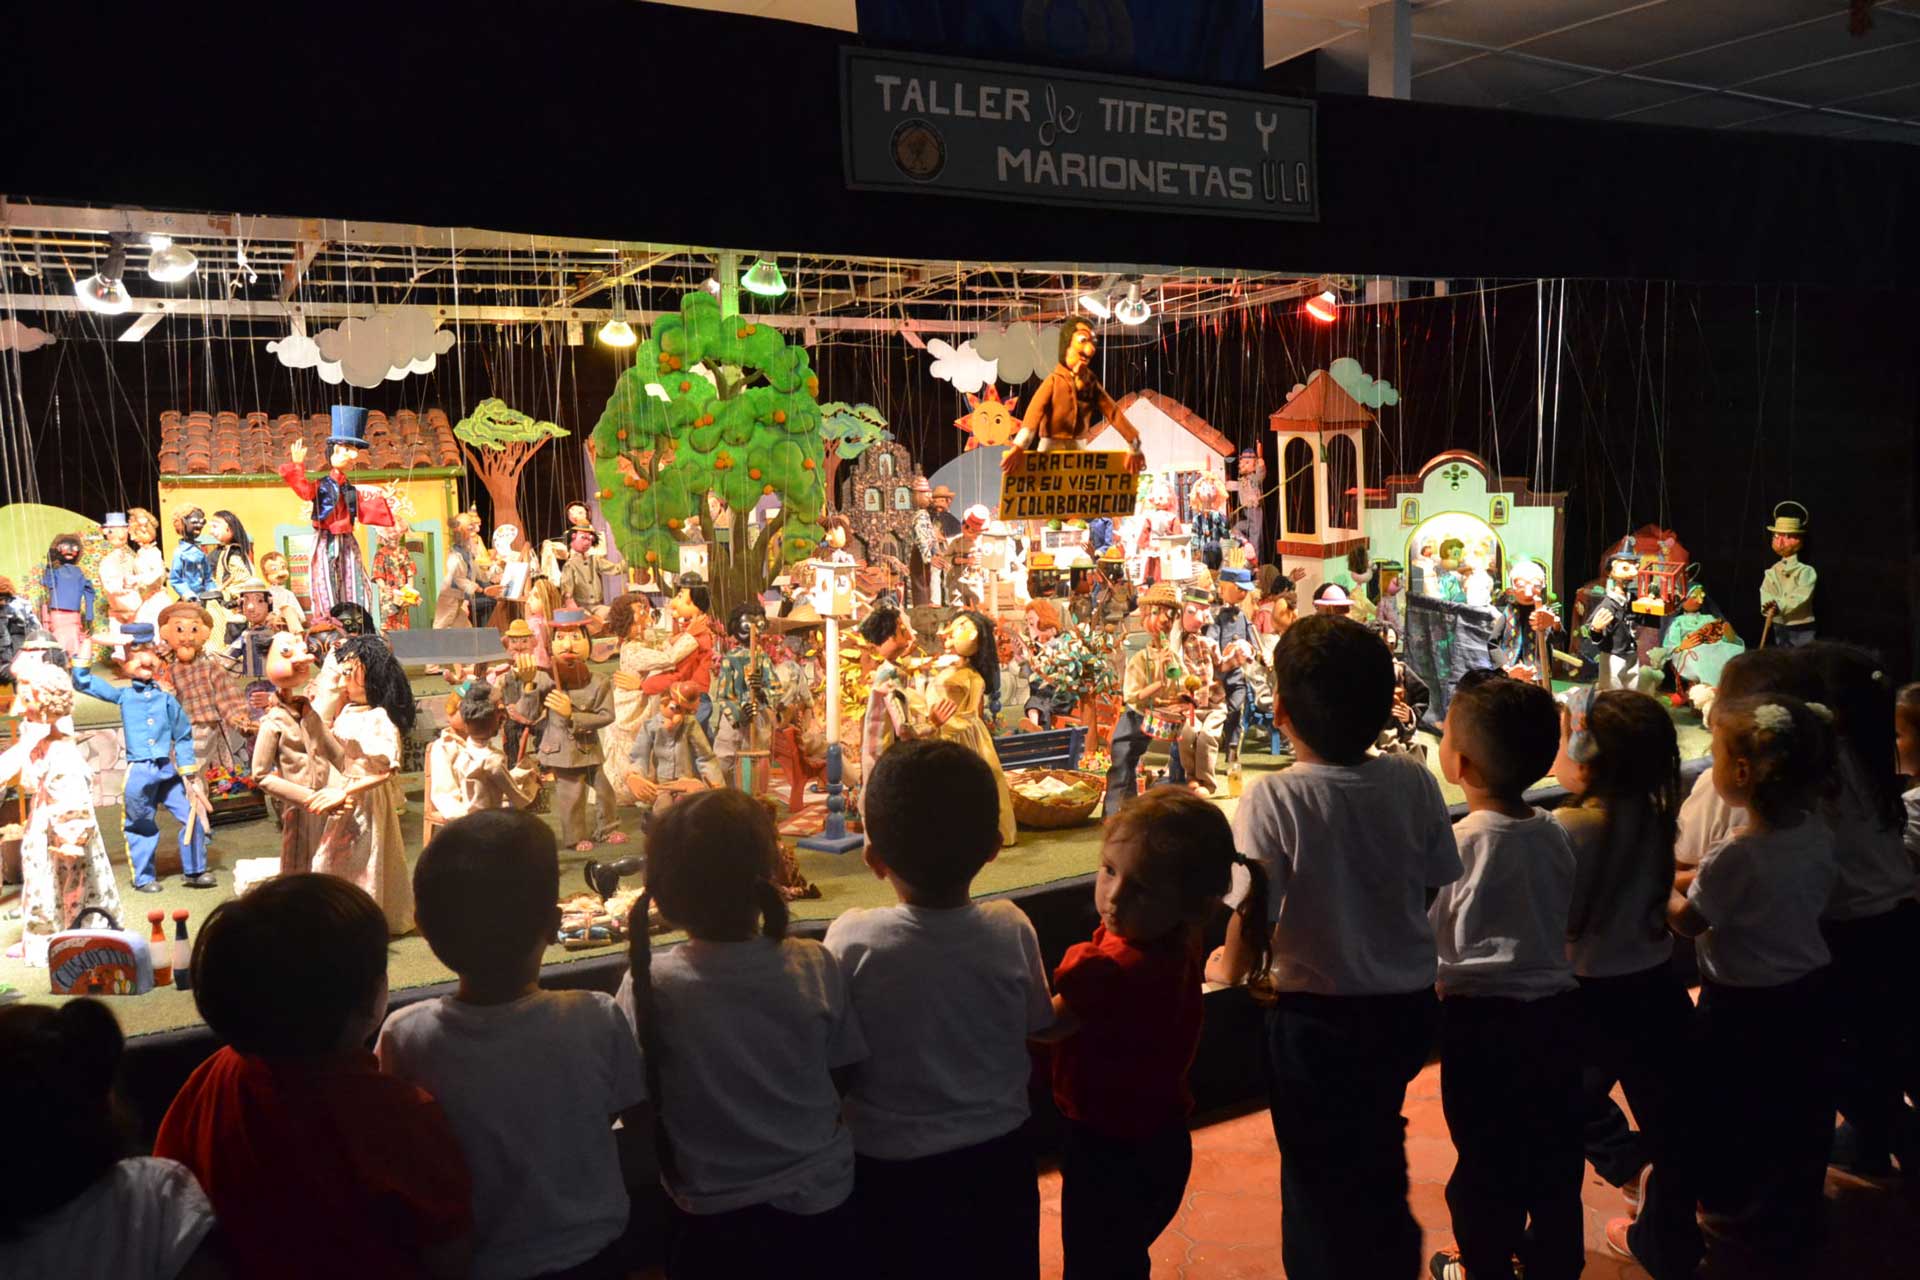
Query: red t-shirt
(1124,1072)
(321,1169)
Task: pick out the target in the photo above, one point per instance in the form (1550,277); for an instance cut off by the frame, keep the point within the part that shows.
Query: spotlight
(1133,308)
(763,278)
(1323,307)
(169,263)
(617,332)
(103,292)
(1095,305)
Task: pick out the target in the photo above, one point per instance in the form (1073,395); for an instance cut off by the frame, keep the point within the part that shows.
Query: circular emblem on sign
(918,150)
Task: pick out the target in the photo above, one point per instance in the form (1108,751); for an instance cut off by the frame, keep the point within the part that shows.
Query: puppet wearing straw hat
(336,573)
(1786,593)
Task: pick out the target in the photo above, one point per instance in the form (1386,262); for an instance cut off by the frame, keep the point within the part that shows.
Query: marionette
(689,655)
(940,507)
(554,552)
(833,545)
(361,840)
(119,571)
(1112,595)
(294,755)
(460,573)
(630,622)
(191,575)
(1476,583)
(1786,592)
(925,551)
(149,566)
(579,567)
(1521,638)
(334,571)
(889,717)
(1069,406)
(1448,583)
(464,772)
(1360,569)
(1610,630)
(1163,527)
(247,637)
(1425,573)
(517,640)
(1249,493)
(1697,645)
(1238,647)
(1153,677)
(287,613)
(743,686)
(1331,597)
(63,861)
(1199,740)
(566,711)
(672,756)
(17,626)
(1044,701)
(968,676)
(1208,502)
(394,570)
(231,558)
(162,769)
(1393,585)
(214,704)
(68,611)
(1411,699)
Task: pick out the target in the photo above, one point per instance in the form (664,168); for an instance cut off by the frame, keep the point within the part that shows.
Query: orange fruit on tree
(807,463)
(753,473)
(653,557)
(621,434)
(779,415)
(766,488)
(686,386)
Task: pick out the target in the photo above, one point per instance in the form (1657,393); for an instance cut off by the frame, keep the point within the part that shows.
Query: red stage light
(1323,308)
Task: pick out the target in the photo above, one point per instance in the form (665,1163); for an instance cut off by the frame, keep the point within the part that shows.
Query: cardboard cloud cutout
(1020,350)
(1352,379)
(385,346)
(18,336)
(298,351)
(964,367)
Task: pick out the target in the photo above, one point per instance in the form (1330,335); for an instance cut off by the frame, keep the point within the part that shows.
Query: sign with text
(947,126)
(1067,484)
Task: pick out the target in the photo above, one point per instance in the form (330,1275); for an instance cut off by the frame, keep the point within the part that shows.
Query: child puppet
(294,755)
(566,711)
(1786,593)
(287,613)
(161,765)
(689,655)
(1153,675)
(335,572)
(465,772)
(119,571)
(68,612)
(191,576)
(1199,741)
(889,718)
(149,566)
(672,756)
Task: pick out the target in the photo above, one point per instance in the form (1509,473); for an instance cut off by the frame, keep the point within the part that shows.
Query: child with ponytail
(1127,1016)
(743,1031)
(1765,1126)
(1620,760)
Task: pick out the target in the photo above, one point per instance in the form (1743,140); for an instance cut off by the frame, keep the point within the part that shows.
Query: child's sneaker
(1635,1192)
(1446,1265)
(1617,1229)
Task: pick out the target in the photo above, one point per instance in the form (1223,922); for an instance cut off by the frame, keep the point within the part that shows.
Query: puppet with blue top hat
(336,574)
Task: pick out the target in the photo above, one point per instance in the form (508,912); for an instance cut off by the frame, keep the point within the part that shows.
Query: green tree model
(499,442)
(713,406)
(846,431)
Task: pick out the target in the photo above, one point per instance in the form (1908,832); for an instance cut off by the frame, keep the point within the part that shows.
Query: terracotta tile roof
(1198,427)
(224,443)
(1324,403)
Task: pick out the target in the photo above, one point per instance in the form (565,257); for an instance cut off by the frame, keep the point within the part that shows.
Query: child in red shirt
(1128,1003)
(317,1165)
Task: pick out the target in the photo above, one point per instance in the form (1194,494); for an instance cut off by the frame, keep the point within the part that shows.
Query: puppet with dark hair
(1071,403)
(743,684)
(965,693)
(362,841)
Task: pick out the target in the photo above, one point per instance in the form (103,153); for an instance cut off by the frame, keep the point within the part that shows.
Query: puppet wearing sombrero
(1786,593)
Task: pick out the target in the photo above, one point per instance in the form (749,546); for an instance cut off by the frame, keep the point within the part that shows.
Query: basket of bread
(1049,799)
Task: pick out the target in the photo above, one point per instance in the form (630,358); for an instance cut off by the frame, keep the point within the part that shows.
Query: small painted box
(99,962)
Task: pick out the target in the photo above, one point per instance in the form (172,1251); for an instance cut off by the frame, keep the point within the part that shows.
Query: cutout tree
(847,430)
(499,442)
(713,408)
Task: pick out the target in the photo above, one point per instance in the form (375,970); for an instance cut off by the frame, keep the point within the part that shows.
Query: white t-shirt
(747,1034)
(1501,928)
(1763,894)
(947,999)
(1350,852)
(530,1088)
(1875,873)
(1705,821)
(1626,929)
(143,1220)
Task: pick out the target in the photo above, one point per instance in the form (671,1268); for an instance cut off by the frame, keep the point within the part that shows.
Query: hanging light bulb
(1133,308)
(764,278)
(103,292)
(617,332)
(1095,305)
(1324,307)
(169,263)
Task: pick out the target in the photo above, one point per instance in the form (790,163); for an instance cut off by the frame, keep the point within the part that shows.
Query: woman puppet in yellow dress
(968,676)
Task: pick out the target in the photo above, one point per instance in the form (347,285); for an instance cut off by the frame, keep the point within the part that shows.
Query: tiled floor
(1229,1228)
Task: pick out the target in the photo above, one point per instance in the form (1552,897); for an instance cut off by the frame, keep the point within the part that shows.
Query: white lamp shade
(108,297)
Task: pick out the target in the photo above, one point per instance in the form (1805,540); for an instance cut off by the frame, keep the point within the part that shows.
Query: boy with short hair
(530,1079)
(1354,848)
(1509,1061)
(953,988)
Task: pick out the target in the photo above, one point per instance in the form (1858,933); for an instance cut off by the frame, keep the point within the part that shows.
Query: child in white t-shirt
(1509,1056)
(1354,848)
(530,1080)
(947,992)
(1620,761)
(1906,736)
(745,1032)
(1766,1125)
(70,1206)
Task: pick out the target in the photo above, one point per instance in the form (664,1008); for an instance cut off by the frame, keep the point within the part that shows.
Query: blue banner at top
(1211,41)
